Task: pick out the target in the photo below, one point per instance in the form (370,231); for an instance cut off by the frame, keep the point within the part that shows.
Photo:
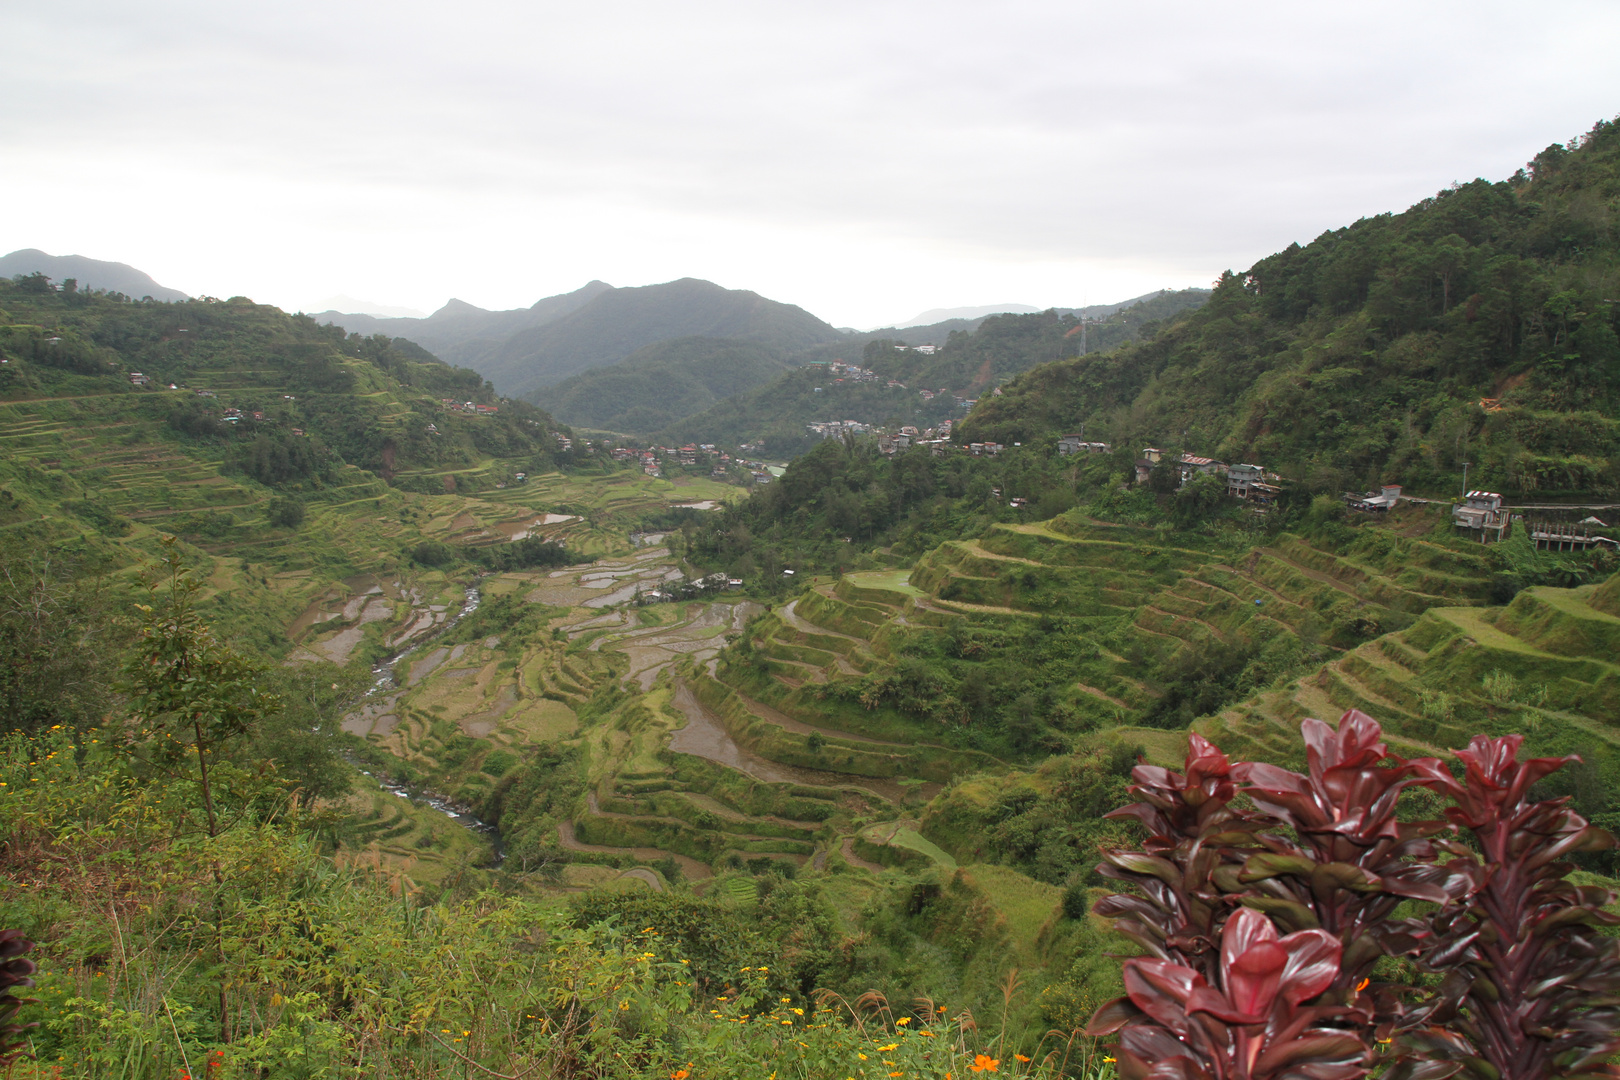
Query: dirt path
(705,736)
(641,873)
(847,849)
(790,615)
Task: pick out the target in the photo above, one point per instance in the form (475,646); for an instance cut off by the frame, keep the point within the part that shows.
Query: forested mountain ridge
(617,323)
(1479,325)
(662,383)
(461,333)
(252,375)
(971,361)
(88,274)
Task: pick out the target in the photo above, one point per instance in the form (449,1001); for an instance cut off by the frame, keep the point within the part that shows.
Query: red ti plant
(15,970)
(1354,862)
(1252,1023)
(1189,863)
(1538,984)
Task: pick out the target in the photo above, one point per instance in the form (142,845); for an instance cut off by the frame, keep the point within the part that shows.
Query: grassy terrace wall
(1544,663)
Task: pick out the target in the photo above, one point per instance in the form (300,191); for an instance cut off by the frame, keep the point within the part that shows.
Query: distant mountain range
(343,302)
(974,356)
(461,333)
(977,315)
(939,315)
(89,273)
(636,360)
(527,349)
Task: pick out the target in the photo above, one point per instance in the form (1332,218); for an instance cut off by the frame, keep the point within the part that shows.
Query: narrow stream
(384,669)
(386,679)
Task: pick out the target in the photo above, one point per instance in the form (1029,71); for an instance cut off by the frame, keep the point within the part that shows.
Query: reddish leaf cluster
(15,971)
(1530,990)
(1531,986)
(1252,1023)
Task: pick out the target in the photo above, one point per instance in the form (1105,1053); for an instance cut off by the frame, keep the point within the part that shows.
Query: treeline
(311,399)
(835,505)
(1003,345)
(661,384)
(1477,326)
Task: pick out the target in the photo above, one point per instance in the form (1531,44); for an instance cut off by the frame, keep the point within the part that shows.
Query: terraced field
(1143,602)
(688,775)
(1547,660)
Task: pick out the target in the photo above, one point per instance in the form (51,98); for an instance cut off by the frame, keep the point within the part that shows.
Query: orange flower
(1022,1058)
(679,1074)
(1362,985)
(985,1063)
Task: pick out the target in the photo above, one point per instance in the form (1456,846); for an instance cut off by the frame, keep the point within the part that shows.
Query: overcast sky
(865,160)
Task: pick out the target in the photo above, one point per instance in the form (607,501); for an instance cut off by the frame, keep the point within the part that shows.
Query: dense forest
(1479,326)
(661,384)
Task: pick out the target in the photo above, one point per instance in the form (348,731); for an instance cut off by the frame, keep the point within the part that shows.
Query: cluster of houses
(926,350)
(1248,482)
(1077,444)
(851,373)
(471,407)
(837,429)
(688,590)
(936,439)
(652,458)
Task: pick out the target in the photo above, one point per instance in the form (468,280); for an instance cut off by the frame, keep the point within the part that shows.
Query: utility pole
(1465,478)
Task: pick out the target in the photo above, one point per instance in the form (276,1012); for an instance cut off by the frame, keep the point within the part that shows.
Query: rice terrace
(662,681)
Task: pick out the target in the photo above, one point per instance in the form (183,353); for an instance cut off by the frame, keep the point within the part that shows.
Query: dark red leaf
(1341,1049)
(1111,1017)
(1160,989)
(1313,964)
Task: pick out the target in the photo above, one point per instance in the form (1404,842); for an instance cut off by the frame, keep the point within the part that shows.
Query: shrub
(1526,982)
(286,512)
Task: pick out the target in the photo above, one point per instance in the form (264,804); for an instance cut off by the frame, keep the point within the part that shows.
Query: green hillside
(967,365)
(661,384)
(617,322)
(1477,326)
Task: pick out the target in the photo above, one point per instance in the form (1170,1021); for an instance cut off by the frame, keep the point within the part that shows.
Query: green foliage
(367,402)
(968,365)
(661,384)
(286,512)
(525,554)
(433,553)
(1364,356)
(180,678)
(59,640)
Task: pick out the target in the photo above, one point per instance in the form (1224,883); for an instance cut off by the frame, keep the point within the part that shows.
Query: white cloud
(863,160)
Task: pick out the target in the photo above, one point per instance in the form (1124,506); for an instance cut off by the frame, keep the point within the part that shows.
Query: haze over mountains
(939,315)
(344,302)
